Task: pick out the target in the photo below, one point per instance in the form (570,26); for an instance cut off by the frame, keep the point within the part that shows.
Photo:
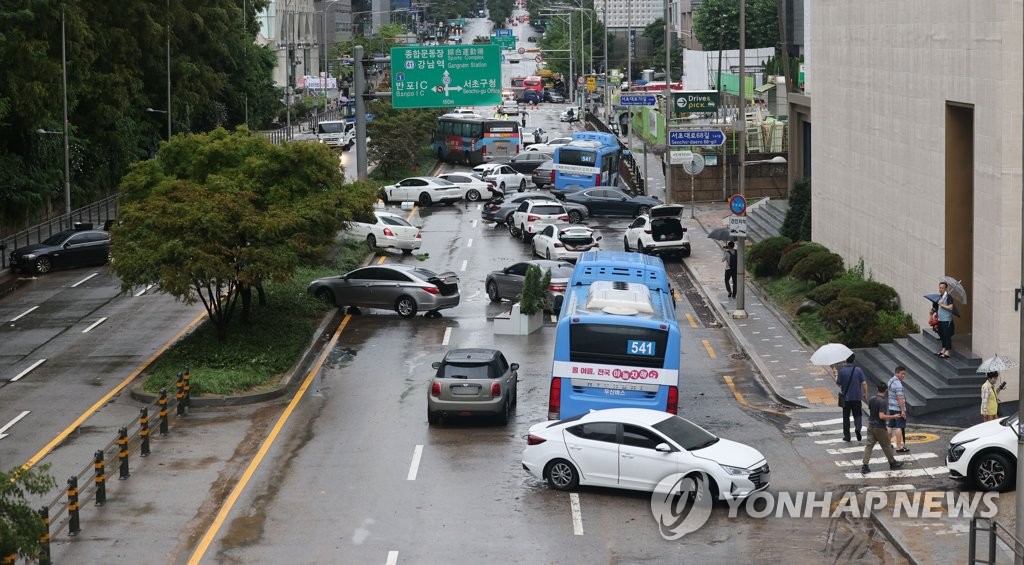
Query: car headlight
(29,256)
(734,470)
(956,450)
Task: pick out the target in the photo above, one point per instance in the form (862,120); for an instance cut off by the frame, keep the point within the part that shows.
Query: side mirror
(663,448)
(684,229)
(514,366)
(436,365)
(598,238)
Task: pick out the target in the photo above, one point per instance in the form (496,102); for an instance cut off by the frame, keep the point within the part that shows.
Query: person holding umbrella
(990,396)
(944,309)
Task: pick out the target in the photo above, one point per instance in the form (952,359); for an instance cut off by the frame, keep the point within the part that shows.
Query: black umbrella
(934,298)
(721,234)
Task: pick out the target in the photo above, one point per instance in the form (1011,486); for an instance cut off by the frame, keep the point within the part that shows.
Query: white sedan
(424,190)
(565,242)
(483,168)
(504,176)
(388,231)
(550,146)
(473,186)
(635,449)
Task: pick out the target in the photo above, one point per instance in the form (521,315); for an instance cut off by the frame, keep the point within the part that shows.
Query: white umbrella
(830,354)
(996,363)
(956,288)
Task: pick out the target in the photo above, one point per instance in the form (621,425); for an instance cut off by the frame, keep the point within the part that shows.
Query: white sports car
(549,146)
(424,190)
(474,187)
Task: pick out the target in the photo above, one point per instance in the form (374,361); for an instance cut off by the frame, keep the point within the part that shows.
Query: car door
(594,448)
(542,241)
(510,282)
(359,230)
(76,252)
(596,201)
(617,203)
(642,467)
(387,285)
(409,189)
(355,289)
(635,230)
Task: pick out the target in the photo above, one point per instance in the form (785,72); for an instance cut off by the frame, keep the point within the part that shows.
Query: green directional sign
(504,42)
(700,101)
(446,76)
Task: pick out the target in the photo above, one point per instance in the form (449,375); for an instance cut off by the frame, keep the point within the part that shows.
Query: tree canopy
(717,24)
(216,214)
(398,135)
(20,524)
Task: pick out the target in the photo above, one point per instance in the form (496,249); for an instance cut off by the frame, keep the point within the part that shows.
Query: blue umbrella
(934,298)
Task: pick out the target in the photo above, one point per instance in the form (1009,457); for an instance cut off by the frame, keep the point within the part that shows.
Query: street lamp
(168,14)
(155,111)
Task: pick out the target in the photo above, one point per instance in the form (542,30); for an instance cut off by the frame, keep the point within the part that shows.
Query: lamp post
(155,111)
(668,98)
(326,44)
(168,25)
(741,244)
(67,168)
(64,88)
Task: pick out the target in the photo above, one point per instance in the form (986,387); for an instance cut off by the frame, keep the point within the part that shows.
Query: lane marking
(824,433)
(83,280)
(877,460)
(820,395)
(110,394)
(831,422)
(828,441)
(23,314)
(935,472)
(689,318)
(392,558)
(415,206)
(143,291)
(232,498)
(577,516)
(469,243)
(27,371)
(10,424)
(743,399)
(382,259)
(474,221)
(414,467)
(844,450)
(887,488)
(709,349)
(465,262)
(94,324)
(447,336)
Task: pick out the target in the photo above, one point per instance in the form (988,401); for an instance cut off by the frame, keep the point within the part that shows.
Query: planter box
(515,323)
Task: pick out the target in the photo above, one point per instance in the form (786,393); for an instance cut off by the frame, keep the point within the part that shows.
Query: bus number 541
(637,347)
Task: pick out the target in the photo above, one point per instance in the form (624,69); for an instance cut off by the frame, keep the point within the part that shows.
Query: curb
(894,538)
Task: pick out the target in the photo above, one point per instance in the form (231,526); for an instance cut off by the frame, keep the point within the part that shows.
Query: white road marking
(23,314)
(824,433)
(96,323)
(469,243)
(577,516)
(474,221)
(26,371)
(414,467)
(464,263)
(83,280)
(8,425)
(832,422)
(828,441)
(143,291)
(843,450)
(392,558)
(877,460)
(447,336)
(888,488)
(930,471)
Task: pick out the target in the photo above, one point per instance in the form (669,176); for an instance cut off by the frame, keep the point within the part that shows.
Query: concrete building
(917,151)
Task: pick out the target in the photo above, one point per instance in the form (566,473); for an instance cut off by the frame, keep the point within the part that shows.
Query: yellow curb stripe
(689,318)
(743,400)
(709,349)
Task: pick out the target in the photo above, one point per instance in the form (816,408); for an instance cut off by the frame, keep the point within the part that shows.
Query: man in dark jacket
(853,387)
(878,413)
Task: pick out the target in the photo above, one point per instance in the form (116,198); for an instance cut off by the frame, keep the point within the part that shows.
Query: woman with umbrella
(944,308)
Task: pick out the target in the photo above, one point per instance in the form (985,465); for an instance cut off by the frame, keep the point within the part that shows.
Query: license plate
(465,390)
(614,385)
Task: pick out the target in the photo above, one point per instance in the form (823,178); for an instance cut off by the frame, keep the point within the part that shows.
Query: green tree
(797,225)
(717,24)
(398,135)
(655,32)
(216,214)
(20,524)
(500,10)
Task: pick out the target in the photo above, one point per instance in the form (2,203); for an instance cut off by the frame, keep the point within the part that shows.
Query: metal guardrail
(998,537)
(98,214)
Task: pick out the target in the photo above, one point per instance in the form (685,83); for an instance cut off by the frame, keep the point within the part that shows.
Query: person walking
(524,119)
(897,405)
(990,396)
(944,309)
(877,415)
(853,387)
(729,257)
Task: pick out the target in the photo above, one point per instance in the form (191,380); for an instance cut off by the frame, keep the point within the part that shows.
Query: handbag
(933,321)
(842,397)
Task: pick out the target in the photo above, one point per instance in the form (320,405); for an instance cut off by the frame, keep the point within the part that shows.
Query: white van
(339,134)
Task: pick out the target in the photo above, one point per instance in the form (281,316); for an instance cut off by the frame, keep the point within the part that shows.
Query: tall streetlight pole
(325,43)
(741,242)
(668,99)
(67,150)
(607,75)
(168,16)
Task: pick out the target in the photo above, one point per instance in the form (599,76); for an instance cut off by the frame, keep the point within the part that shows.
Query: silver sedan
(508,282)
(406,289)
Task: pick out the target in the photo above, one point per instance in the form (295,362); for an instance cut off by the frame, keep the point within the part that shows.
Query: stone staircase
(764,219)
(932,384)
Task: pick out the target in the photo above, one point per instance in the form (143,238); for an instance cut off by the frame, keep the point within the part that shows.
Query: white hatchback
(388,231)
(565,242)
(985,455)
(635,448)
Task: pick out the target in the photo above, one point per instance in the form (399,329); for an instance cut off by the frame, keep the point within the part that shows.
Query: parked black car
(608,201)
(526,161)
(543,175)
(65,249)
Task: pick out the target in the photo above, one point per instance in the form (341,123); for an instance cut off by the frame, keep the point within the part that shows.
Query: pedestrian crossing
(848,458)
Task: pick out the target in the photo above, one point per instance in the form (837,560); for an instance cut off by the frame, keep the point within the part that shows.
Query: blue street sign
(637,100)
(738,205)
(501,32)
(696,138)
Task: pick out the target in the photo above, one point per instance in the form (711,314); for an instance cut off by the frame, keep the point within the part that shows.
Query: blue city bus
(617,339)
(471,139)
(590,159)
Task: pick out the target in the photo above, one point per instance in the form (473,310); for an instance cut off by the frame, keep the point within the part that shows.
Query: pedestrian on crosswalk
(878,414)
(853,388)
(897,404)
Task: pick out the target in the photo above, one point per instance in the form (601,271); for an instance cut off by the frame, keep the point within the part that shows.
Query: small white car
(473,186)
(985,455)
(532,215)
(549,146)
(635,449)
(483,168)
(388,231)
(423,190)
(505,177)
(658,232)
(565,242)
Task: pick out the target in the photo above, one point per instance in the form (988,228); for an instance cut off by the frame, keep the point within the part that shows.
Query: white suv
(658,232)
(985,455)
(533,215)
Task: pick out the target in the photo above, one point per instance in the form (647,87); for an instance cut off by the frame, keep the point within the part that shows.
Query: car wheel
(523,235)
(522,185)
(508,218)
(639,247)
(325,295)
(643,210)
(43,265)
(625,244)
(405,306)
(440,155)
(492,291)
(575,217)
(993,472)
(433,418)
(110,257)
(549,254)
(506,411)
(562,475)
(685,253)
(384,198)
(425,200)
(502,186)
(512,231)
(371,242)
(473,195)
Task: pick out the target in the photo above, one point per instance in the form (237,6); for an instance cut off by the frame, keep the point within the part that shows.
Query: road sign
(522,50)
(539,58)
(678,157)
(695,165)
(637,100)
(738,226)
(503,32)
(446,76)
(738,205)
(504,42)
(696,138)
(591,84)
(703,101)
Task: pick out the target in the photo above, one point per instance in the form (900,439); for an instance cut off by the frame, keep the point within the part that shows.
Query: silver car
(406,289)
(472,381)
(508,283)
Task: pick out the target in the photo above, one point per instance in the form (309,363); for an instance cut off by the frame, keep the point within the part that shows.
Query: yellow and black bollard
(73,526)
(44,540)
(122,453)
(163,411)
(188,389)
(100,470)
(180,395)
(144,431)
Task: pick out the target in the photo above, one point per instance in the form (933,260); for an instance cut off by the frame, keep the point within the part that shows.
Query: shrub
(851,318)
(797,254)
(828,292)
(534,290)
(797,225)
(883,296)
(765,255)
(819,267)
(889,326)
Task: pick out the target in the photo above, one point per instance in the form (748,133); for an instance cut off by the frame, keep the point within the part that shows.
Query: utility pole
(360,89)
(668,100)
(607,71)
(741,244)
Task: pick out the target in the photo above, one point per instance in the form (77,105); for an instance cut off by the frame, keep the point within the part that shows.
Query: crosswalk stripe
(821,423)
(824,433)
(877,460)
(843,450)
(901,473)
(827,441)
(887,488)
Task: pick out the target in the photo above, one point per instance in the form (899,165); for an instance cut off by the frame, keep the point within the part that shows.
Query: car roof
(642,416)
(471,354)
